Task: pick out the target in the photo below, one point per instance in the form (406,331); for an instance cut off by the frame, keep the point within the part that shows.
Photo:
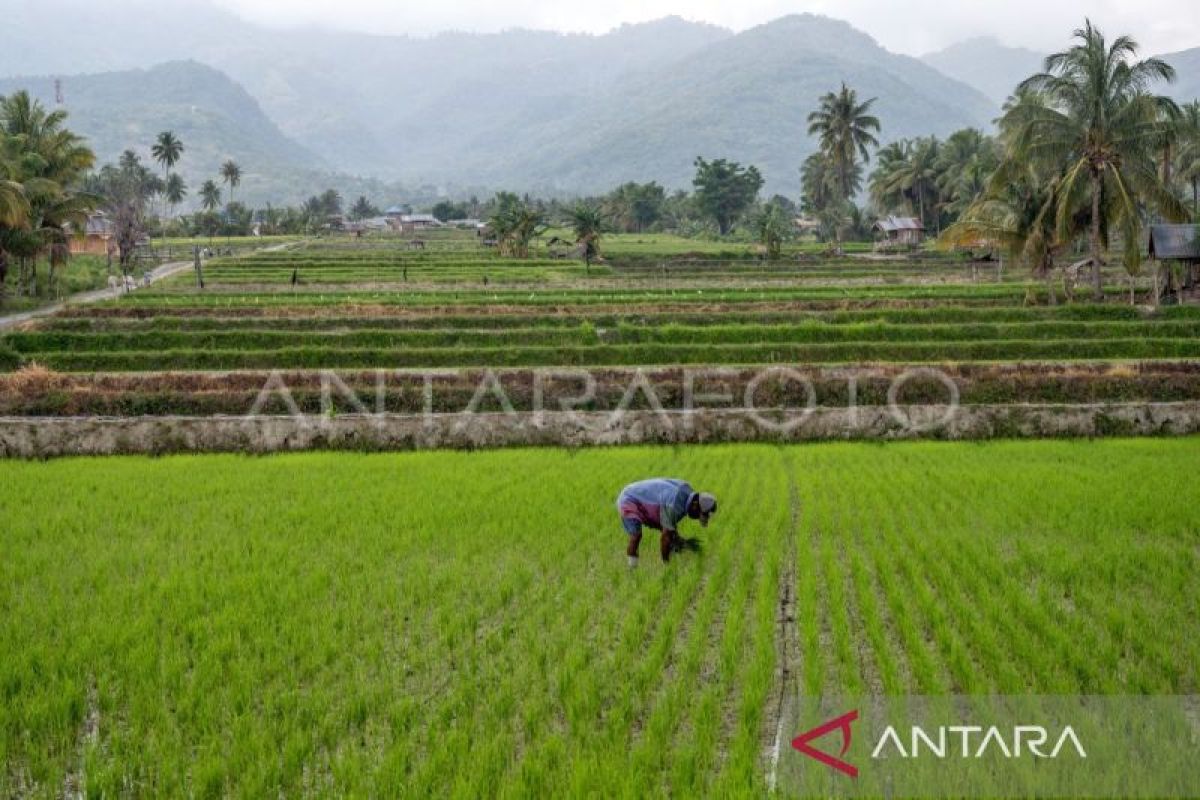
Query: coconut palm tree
(1017,214)
(908,175)
(966,162)
(40,163)
(843,127)
(231,173)
(14,207)
(167,151)
(814,183)
(210,195)
(588,223)
(1098,125)
(1189,153)
(175,190)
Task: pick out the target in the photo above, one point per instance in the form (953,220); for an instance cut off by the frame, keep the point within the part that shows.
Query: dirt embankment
(37,392)
(52,437)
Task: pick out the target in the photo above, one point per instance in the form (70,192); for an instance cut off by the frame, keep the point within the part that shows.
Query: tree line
(1085,154)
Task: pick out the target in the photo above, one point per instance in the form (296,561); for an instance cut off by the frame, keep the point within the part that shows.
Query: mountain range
(458,113)
(986,64)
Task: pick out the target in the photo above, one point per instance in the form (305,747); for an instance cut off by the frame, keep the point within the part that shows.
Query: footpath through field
(159,273)
(93,296)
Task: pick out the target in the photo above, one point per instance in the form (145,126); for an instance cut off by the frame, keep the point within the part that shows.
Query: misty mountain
(1186,87)
(745,97)
(520,109)
(985,64)
(214,117)
(995,69)
(368,104)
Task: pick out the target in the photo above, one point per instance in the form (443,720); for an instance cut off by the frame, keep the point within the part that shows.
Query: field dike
(48,437)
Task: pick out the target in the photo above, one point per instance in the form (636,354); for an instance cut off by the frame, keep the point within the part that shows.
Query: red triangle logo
(841,723)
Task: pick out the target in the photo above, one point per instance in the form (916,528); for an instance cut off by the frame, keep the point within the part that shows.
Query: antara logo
(841,723)
(958,741)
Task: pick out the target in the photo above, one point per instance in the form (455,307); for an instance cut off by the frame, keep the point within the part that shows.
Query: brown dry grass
(33,379)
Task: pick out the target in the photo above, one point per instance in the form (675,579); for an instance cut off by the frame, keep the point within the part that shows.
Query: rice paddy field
(463,624)
(416,625)
(453,303)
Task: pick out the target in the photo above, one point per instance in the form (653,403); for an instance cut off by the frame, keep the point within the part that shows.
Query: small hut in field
(1176,246)
(95,237)
(901,230)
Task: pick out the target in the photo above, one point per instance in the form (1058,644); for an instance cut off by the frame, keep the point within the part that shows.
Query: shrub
(9,360)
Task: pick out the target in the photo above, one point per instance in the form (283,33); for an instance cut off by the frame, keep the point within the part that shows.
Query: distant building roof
(890,223)
(98,224)
(427,218)
(1180,242)
(395,211)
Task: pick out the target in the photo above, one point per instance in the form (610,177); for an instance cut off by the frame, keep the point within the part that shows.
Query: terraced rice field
(457,304)
(408,624)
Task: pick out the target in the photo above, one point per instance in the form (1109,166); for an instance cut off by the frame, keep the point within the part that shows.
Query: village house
(806,225)
(409,223)
(402,219)
(901,230)
(96,236)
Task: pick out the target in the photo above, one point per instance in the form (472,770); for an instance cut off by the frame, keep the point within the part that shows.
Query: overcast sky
(913,26)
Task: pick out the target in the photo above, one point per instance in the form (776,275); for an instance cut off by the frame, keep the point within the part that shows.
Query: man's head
(701,506)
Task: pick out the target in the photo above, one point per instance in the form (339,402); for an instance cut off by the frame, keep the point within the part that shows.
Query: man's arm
(668,538)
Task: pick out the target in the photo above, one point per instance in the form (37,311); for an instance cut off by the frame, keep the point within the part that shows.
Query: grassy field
(329,624)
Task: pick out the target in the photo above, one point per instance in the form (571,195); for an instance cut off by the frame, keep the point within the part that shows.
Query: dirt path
(157,274)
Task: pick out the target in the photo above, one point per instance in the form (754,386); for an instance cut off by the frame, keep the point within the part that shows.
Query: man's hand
(681,544)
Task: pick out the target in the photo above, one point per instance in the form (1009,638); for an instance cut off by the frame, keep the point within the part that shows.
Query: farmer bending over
(661,503)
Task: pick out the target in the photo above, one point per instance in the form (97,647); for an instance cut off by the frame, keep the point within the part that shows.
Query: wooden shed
(1176,245)
(901,230)
(96,238)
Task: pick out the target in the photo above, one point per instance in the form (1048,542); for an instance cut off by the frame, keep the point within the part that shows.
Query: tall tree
(515,223)
(363,209)
(331,202)
(210,195)
(41,165)
(908,174)
(167,151)
(126,188)
(1099,126)
(175,190)
(445,210)
(724,189)
(587,223)
(843,128)
(816,188)
(1016,214)
(1189,153)
(966,162)
(231,173)
(771,225)
(636,206)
